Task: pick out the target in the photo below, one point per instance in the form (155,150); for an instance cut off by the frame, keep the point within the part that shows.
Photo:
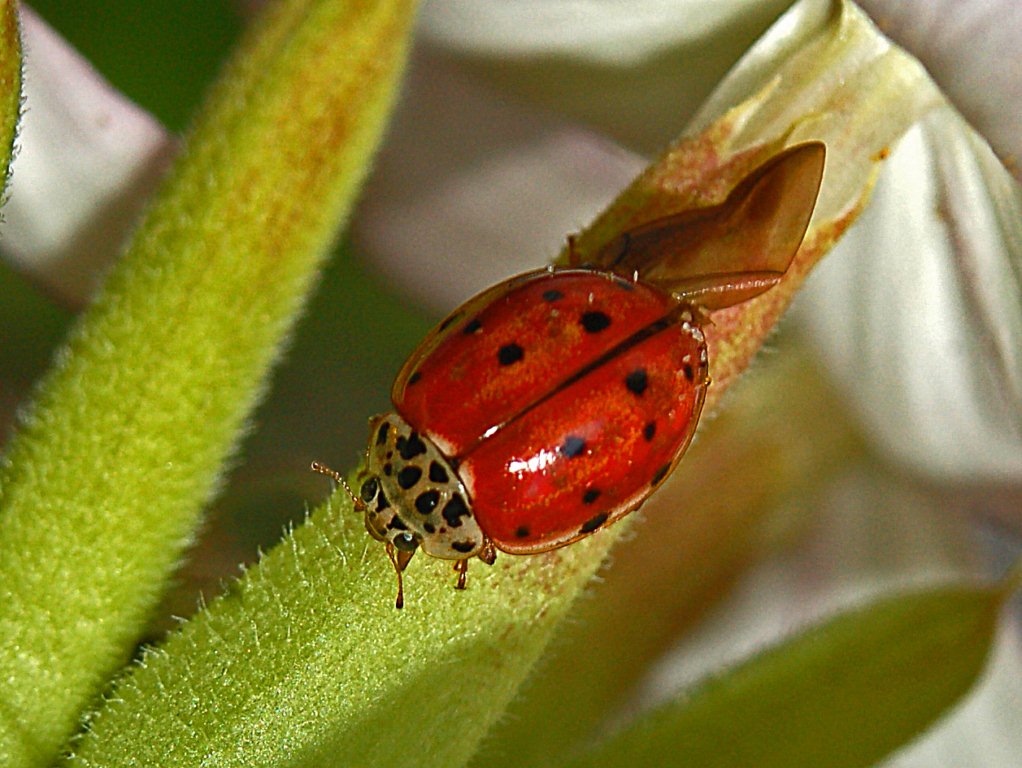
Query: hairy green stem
(104,483)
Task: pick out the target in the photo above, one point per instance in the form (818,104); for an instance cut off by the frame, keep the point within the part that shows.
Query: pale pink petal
(594,30)
(508,138)
(634,71)
(918,311)
(86,161)
(471,188)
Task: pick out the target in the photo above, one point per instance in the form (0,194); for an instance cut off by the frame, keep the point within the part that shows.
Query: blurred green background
(161,53)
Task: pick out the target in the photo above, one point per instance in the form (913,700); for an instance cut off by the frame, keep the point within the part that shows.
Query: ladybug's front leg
(399,559)
(487,554)
(461,566)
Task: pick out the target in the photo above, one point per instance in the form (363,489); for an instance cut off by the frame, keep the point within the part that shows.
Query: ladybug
(554,403)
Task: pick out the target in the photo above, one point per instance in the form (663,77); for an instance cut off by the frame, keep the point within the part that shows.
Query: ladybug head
(413,496)
(382,519)
(384,524)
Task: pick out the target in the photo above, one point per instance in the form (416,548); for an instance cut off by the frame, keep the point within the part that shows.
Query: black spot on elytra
(522,531)
(591,495)
(649,430)
(689,373)
(381,434)
(437,473)
(637,381)
(411,446)
(426,502)
(388,469)
(409,476)
(593,523)
(510,354)
(429,527)
(463,546)
(552,295)
(472,326)
(454,510)
(381,501)
(369,489)
(414,378)
(661,474)
(573,446)
(397,524)
(595,321)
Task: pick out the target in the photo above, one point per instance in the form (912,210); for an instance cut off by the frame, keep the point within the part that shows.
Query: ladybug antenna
(325,470)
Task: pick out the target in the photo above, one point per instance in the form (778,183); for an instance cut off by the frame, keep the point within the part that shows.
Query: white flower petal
(476,184)
(86,159)
(634,71)
(918,311)
(970,47)
(469,190)
(597,30)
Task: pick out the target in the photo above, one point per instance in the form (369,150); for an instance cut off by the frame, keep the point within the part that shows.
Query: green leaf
(10,84)
(841,695)
(306,662)
(102,487)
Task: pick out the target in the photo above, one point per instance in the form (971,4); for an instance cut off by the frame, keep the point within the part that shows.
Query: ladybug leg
(572,254)
(461,566)
(703,315)
(399,559)
(574,258)
(704,318)
(488,553)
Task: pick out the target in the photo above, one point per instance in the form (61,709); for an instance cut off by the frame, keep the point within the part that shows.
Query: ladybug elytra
(556,402)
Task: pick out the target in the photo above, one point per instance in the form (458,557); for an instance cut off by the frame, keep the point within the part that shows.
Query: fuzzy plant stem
(103,485)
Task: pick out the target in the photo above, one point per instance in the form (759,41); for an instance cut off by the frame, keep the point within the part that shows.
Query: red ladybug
(557,401)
